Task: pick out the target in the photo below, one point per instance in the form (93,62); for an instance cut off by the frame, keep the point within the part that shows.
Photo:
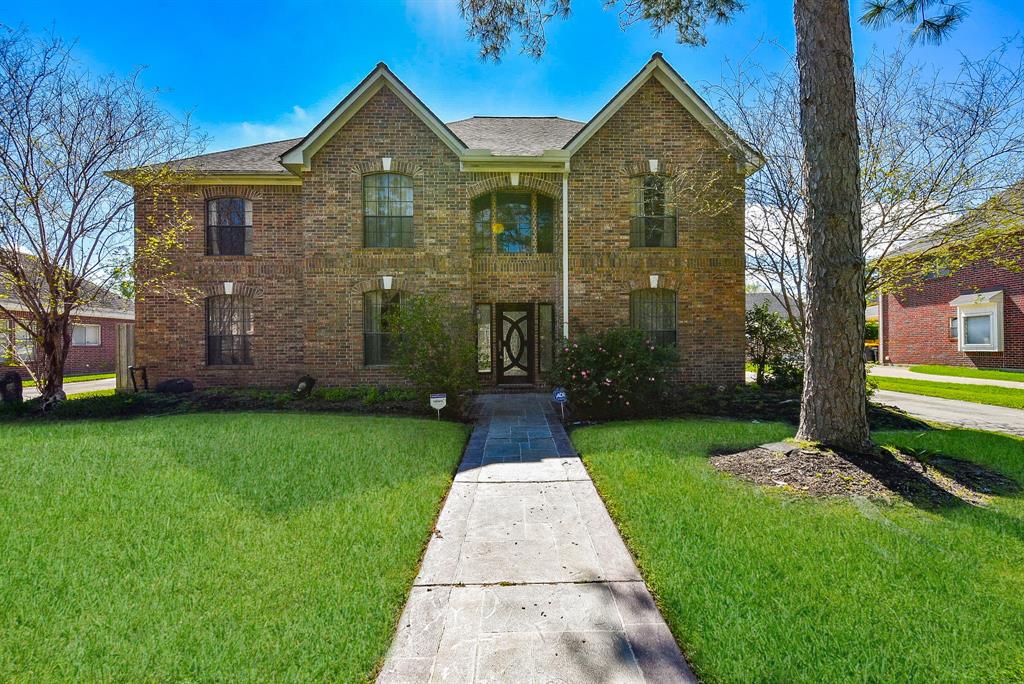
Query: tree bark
(834,407)
(55,342)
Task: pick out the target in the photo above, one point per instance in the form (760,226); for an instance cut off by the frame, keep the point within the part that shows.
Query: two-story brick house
(543,225)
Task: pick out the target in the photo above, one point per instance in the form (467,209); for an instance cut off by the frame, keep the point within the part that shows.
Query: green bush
(618,372)
(435,347)
(870,331)
(773,348)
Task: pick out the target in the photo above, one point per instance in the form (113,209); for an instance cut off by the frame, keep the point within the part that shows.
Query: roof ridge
(514,116)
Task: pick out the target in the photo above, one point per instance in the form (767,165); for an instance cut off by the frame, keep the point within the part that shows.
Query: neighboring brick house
(93,339)
(973,317)
(301,246)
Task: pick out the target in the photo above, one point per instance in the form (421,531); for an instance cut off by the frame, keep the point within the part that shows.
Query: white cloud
(293,124)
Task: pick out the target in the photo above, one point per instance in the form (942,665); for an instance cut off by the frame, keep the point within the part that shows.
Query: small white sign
(438,401)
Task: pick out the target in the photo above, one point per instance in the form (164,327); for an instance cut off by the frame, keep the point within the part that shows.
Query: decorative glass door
(515,343)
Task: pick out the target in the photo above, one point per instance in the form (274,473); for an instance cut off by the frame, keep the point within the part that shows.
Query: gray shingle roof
(516,135)
(253,159)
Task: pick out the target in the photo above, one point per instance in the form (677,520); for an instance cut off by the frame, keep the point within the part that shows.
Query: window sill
(230,366)
(372,366)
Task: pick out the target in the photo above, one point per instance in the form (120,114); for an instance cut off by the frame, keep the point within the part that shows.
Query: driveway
(953,412)
(75,387)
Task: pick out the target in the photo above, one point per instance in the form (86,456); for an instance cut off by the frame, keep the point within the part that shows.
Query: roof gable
(298,157)
(657,68)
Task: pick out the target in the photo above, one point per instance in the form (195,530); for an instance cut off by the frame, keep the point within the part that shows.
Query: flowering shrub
(617,372)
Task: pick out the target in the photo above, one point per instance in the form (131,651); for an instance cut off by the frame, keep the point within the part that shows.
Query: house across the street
(543,225)
(972,316)
(93,338)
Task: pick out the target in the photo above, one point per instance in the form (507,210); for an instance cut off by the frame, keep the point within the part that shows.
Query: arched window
(654,312)
(513,222)
(378,333)
(229,330)
(654,222)
(387,210)
(229,226)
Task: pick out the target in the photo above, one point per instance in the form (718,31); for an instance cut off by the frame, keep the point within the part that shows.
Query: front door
(515,343)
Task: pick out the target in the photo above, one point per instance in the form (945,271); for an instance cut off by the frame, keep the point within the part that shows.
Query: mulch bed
(924,480)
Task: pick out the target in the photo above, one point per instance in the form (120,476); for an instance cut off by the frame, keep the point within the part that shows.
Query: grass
(970,373)
(213,547)
(763,586)
(73,378)
(980,394)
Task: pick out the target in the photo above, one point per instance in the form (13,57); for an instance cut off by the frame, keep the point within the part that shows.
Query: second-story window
(229,226)
(654,222)
(509,222)
(387,210)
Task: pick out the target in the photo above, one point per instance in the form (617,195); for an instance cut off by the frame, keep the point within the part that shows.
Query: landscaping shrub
(773,348)
(618,372)
(435,347)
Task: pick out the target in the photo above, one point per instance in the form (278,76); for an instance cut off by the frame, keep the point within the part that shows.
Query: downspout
(565,254)
(881,328)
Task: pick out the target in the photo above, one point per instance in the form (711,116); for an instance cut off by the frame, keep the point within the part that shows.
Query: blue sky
(257,71)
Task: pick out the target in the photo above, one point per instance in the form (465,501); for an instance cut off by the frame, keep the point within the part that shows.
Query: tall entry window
(654,222)
(229,330)
(654,312)
(387,210)
(378,335)
(510,222)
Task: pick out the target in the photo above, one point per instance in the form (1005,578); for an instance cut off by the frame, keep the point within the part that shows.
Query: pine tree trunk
(834,407)
(55,341)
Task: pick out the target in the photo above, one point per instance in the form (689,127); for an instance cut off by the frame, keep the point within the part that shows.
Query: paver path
(526,578)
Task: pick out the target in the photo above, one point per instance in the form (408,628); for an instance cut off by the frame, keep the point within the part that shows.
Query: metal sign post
(438,402)
(560,396)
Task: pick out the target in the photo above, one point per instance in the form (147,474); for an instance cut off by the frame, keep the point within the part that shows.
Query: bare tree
(932,149)
(66,225)
(833,409)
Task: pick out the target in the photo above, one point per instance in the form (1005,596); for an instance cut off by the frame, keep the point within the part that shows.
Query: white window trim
(99,335)
(981,304)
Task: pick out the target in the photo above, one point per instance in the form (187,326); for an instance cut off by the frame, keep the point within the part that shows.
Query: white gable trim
(298,158)
(747,158)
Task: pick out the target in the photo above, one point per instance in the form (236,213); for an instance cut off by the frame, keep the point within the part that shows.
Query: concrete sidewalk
(952,412)
(526,578)
(904,372)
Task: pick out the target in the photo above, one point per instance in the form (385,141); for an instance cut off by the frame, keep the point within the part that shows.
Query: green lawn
(981,394)
(213,547)
(760,586)
(970,372)
(74,378)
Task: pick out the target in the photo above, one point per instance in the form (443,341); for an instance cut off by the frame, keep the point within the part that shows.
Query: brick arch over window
(405,284)
(503,181)
(238,289)
(218,191)
(376,165)
(666,281)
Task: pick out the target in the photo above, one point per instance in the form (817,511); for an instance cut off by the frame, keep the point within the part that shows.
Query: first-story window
(654,312)
(17,345)
(954,328)
(85,335)
(483,338)
(979,321)
(229,226)
(229,330)
(654,222)
(378,332)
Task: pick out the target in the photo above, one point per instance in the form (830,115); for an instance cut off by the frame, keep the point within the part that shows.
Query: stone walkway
(526,578)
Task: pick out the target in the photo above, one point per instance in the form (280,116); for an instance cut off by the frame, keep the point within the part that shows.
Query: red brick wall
(309,270)
(915,323)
